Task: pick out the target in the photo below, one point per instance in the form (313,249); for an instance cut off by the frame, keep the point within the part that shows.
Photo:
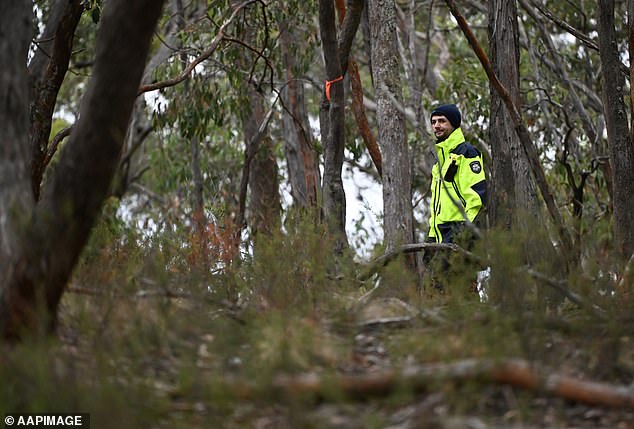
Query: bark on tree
(32,286)
(252,147)
(264,206)
(397,184)
(630,29)
(332,122)
(332,112)
(46,74)
(502,137)
(514,201)
(361,118)
(16,196)
(620,145)
(301,157)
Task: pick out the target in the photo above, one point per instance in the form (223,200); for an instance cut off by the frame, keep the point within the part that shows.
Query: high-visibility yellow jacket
(458,175)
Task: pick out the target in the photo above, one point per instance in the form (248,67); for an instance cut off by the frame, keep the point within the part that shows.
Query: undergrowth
(146,339)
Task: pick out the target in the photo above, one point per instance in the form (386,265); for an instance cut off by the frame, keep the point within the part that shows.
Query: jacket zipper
(437,196)
(462,200)
(437,208)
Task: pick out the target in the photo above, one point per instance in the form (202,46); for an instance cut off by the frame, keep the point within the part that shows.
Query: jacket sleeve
(472,184)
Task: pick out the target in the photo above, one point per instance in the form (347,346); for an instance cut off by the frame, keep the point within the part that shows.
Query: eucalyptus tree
(260,171)
(396,177)
(40,243)
(511,188)
(336,50)
(620,143)
(301,155)
(331,122)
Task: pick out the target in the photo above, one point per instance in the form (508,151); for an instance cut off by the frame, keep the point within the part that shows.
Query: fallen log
(514,372)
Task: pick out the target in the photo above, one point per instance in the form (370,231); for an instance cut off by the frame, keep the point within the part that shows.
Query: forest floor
(291,348)
(275,369)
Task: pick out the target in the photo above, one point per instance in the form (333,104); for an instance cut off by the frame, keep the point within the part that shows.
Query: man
(458,186)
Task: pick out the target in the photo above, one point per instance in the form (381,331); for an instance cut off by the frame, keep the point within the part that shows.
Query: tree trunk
(397,199)
(46,74)
(16,198)
(357,92)
(630,28)
(71,202)
(332,123)
(260,170)
(502,137)
(514,199)
(302,160)
(621,147)
(264,204)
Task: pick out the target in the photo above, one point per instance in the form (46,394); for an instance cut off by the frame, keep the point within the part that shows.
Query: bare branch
(561,287)
(52,148)
(381,261)
(206,54)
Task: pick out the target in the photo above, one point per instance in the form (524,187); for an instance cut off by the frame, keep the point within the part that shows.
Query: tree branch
(52,147)
(206,54)
(588,126)
(381,261)
(561,287)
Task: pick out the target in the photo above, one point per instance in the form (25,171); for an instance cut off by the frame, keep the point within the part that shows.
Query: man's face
(441,127)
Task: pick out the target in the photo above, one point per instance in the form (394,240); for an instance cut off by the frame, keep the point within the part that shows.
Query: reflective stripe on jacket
(458,175)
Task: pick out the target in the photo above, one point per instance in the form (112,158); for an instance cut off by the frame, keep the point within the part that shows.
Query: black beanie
(450,111)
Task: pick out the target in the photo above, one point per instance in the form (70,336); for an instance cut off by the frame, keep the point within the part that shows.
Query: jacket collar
(454,139)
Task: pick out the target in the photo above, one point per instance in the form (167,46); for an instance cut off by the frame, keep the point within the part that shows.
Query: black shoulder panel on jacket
(467,150)
(481,189)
